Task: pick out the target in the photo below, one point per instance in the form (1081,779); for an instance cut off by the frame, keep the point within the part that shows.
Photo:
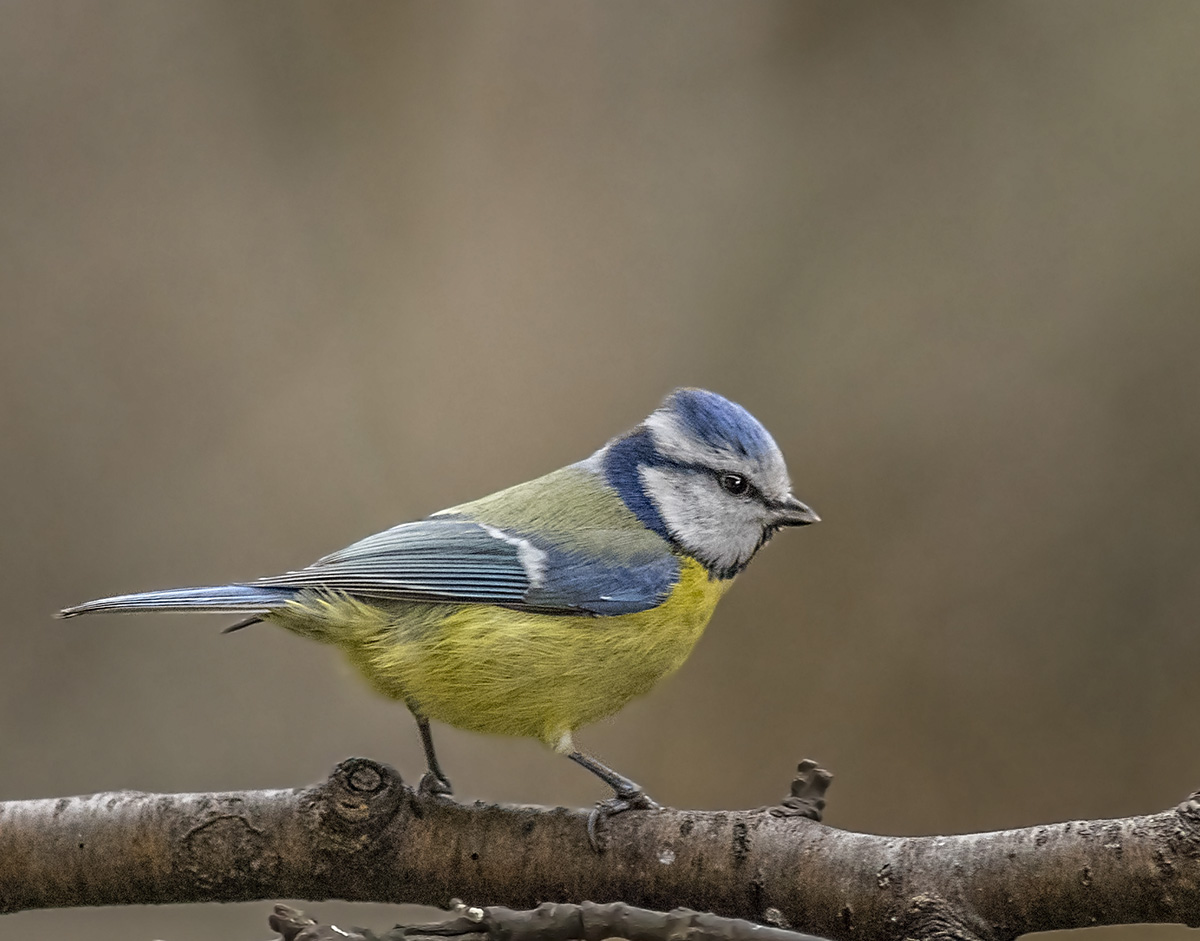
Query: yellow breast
(508,672)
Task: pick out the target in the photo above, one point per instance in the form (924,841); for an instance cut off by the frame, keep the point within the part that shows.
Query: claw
(619,803)
(432,785)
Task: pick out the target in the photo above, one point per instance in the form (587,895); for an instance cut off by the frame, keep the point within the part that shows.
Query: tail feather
(228,599)
(244,622)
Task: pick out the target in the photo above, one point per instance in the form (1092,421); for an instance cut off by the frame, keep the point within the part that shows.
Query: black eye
(735,484)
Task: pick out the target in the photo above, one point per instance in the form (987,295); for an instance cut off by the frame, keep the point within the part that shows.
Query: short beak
(791,512)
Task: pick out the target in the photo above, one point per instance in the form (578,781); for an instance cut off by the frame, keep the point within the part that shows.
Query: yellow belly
(508,672)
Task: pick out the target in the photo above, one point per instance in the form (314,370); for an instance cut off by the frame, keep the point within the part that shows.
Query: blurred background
(276,276)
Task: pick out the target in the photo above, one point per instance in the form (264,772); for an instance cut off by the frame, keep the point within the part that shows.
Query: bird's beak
(791,512)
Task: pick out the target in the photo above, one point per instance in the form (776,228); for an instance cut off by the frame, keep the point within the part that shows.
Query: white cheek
(680,503)
(703,520)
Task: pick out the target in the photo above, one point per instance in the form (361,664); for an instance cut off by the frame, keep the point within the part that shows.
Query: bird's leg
(626,794)
(433,782)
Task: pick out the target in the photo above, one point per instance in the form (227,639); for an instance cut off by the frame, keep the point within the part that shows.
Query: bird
(547,606)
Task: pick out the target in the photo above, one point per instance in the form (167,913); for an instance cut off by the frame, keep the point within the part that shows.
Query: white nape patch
(594,463)
(720,530)
(532,559)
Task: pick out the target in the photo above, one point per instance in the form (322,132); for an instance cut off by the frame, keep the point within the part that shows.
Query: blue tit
(547,606)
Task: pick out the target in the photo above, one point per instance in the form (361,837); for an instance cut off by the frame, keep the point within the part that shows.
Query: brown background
(275,276)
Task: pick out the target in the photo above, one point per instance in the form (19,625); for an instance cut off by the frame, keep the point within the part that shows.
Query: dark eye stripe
(749,490)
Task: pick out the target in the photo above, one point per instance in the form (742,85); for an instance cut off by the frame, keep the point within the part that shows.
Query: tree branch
(548,922)
(363,835)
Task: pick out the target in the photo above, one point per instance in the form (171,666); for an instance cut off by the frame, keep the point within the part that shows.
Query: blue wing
(563,543)
(451,559)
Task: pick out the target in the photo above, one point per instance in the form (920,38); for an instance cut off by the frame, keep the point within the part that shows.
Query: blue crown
(718,422)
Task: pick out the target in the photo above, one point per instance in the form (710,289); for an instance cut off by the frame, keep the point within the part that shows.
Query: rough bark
(364,836)
(550,921)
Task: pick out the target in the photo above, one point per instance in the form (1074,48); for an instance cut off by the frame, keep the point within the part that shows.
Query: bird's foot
(631,798)
(434,785)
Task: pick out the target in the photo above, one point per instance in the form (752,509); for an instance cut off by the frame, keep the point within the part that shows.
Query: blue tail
(228,599)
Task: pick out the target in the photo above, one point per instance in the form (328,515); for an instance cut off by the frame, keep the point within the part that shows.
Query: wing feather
(451,559)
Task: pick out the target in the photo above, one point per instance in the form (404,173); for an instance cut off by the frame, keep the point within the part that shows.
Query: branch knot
(807,796)
(358,801)
(932,918)
(1189,816)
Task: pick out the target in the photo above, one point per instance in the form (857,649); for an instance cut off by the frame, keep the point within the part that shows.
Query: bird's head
(707,476)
